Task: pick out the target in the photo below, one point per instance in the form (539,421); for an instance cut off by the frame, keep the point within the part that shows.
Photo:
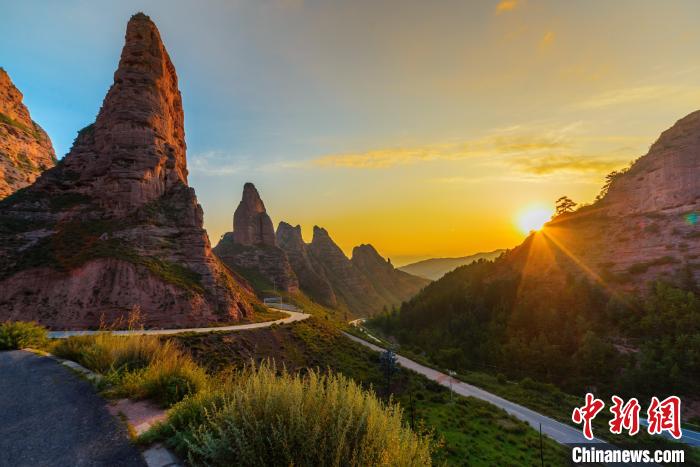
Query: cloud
(547,40)
(217,163)
(496,144)
(506,5)
(639,94)
(551,163)
(525,150)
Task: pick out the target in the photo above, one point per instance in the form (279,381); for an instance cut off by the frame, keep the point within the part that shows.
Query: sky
(424,128)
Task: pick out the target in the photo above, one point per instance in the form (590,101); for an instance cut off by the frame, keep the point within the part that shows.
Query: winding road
(556,430)
(293,316)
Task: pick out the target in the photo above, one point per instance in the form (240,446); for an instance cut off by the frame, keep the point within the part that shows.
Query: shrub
(258,417)
(168,379)
(137,366)
(21,334)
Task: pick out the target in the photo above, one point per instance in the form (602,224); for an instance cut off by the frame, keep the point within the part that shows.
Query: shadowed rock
(251,224)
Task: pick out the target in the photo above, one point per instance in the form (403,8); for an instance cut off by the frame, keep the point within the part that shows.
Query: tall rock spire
(135,150)
(251,224)
(114,225)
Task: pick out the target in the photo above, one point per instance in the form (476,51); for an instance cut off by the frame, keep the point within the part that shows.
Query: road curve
(51,417)
(558,431)
(293,316)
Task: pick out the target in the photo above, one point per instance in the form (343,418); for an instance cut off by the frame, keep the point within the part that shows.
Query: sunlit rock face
(25,148)
(114,225)
(644,229)
(251,249)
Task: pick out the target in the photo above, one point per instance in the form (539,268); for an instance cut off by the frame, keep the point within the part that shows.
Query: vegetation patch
(20,334)
(136,366)
(6,119)
(262,416)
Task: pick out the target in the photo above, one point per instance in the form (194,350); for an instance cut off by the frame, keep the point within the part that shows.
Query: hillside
(114,225)
(435,268)
(25,148)
(595,298)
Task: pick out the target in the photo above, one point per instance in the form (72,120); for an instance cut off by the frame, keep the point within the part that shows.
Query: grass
(258,416)
(473,432)
(261,416)
(20,334)
(136,366)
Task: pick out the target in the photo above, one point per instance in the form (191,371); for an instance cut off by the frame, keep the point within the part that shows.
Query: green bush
(260,417)
(20,334)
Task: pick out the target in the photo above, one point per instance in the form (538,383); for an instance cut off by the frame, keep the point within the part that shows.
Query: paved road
(49,417)
(293,316)
(560,432)
(556,430)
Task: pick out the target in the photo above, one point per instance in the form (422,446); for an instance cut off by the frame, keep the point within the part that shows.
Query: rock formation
(363,285)
(114,225)
(312,279)
(251,224)
(25,148)
(251,249)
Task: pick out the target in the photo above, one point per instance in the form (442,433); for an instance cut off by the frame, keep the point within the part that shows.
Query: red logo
(587,413)
(665,416)
(625,416)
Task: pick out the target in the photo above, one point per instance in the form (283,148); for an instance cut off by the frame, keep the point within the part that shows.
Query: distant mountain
(114,224)
(25,148)
(435,268)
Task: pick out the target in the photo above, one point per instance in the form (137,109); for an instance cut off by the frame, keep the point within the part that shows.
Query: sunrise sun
(532,218)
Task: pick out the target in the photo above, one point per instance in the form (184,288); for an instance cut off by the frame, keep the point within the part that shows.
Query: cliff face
(114,224)
(251,249)
(644,228)
(312,279)
(363,285)
(25,148)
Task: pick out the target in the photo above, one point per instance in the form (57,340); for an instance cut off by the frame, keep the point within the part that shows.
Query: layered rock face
(312,279)
(25,148)
(251,249)
(114,224)
(364,285)
(645,227)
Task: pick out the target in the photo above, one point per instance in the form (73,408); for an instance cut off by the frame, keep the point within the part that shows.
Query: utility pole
(541,447)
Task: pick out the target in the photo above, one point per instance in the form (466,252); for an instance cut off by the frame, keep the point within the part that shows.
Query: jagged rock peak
(135,151)
(289,237)
(251,224)
(25,148)
(366,255)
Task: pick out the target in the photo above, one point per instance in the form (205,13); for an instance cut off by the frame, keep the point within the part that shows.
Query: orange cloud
(547,40)
(486,146)
(550,163)
(506,5)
